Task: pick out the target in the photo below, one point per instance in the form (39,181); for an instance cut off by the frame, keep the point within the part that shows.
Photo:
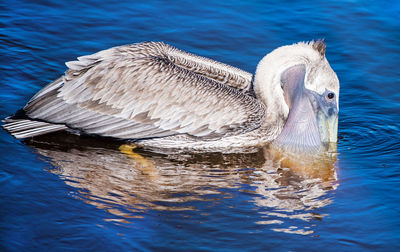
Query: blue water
(63,193)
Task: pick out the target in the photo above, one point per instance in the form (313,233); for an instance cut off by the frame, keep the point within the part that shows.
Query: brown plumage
(148,90)
(157,95)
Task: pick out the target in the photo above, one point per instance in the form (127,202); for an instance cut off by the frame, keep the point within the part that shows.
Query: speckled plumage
(159,96)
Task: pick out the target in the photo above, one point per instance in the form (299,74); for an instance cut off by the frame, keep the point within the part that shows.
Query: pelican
(157,96)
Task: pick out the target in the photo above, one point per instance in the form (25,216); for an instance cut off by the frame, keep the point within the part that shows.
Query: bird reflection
(126,181)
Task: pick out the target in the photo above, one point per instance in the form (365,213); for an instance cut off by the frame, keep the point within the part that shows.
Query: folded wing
(149,90)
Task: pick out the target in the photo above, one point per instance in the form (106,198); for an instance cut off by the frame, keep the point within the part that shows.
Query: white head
(301,92)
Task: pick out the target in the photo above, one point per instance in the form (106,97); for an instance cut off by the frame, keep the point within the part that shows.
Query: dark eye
(330,96)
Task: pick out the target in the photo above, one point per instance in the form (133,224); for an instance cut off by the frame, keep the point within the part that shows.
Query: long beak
(312,122)
(327,116)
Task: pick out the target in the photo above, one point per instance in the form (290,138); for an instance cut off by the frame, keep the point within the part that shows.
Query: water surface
(66,193)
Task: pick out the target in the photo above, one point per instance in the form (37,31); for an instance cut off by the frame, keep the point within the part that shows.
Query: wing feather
(149,90)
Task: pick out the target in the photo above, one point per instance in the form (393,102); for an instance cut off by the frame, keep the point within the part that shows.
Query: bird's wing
(149,90)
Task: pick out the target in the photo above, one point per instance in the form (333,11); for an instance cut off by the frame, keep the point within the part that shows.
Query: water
(66,193)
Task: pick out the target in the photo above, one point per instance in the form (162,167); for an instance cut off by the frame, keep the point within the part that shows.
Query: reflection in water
(126,182)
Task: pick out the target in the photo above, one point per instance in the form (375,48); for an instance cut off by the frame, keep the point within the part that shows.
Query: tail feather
(24,128)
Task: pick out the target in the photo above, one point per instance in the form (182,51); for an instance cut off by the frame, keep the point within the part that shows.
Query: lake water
(65,193)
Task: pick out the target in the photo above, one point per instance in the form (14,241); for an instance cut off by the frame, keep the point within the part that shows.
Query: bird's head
(301,93)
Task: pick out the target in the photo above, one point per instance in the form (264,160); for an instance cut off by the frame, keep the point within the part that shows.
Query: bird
(155,95)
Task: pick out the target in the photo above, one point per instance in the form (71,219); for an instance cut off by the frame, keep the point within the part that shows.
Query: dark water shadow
(127,182)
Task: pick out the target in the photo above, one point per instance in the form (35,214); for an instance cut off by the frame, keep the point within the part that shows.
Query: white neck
(267,79)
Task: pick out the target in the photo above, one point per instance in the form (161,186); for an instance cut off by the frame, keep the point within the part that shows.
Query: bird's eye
(330,95)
